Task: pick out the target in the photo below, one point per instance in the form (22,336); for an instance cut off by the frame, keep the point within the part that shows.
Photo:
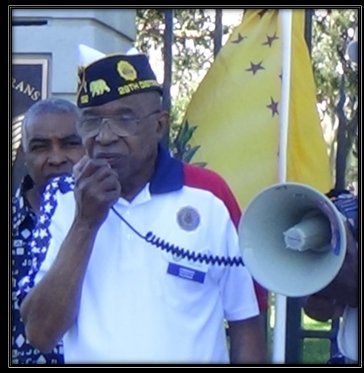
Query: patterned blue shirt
(24,221)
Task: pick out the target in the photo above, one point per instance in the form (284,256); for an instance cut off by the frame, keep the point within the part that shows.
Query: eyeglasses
(122,125)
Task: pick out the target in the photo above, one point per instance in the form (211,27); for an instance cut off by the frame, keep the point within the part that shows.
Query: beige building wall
(55,34)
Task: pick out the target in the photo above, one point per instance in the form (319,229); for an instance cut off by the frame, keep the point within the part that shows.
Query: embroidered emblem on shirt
(188,218)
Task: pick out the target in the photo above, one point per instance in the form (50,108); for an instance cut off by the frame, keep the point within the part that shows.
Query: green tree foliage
(337,88)
(193,32)
(336,77)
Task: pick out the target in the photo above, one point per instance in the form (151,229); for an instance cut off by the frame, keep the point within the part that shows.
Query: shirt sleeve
(239,296)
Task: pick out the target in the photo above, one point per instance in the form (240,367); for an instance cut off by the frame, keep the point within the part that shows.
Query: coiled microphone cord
(156,241)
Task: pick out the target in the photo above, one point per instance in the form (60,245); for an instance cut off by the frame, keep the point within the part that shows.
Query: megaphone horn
(292,239)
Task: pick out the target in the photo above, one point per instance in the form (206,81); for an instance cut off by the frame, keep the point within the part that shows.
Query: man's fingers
(88,167)
(78,167)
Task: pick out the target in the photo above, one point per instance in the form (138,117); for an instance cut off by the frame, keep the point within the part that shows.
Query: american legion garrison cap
(114,76)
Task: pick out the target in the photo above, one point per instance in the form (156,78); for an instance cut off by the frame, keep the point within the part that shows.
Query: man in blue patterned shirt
(51,147)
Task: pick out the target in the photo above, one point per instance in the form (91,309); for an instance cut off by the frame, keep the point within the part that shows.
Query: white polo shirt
(140,302)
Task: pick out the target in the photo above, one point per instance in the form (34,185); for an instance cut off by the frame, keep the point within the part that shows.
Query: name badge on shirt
(186,272)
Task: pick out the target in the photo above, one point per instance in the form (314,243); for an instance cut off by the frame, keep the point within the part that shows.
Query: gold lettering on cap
(128,88)
(147,83)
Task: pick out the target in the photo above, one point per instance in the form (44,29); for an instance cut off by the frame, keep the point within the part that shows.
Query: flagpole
(280,314)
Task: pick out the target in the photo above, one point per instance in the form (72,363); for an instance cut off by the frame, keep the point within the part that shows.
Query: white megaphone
(292,239)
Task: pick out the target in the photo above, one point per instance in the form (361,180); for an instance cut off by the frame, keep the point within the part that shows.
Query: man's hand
(321,308)
(329,303)
(97,188)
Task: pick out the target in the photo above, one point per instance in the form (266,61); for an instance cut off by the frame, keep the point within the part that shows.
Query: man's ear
(163,124)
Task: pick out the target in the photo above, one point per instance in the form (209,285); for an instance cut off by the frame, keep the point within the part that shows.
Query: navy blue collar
(168,175)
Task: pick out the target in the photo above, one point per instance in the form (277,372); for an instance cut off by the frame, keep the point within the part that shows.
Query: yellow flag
(307,158)
(236,111)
